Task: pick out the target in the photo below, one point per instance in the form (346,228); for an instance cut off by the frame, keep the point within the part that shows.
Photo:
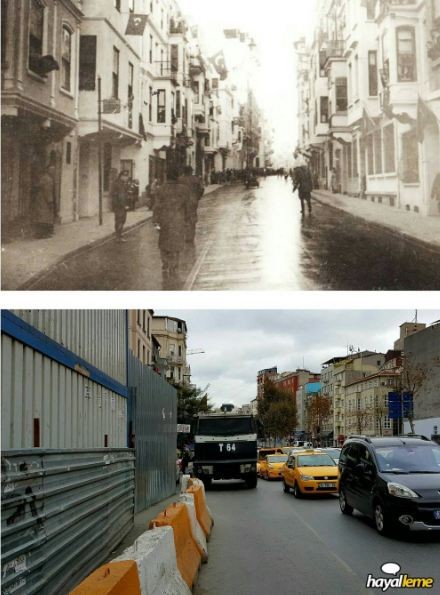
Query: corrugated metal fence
(153,421)
(63,512)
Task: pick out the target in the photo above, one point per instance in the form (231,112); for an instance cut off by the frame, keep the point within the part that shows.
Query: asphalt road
(256,239)
(267,542)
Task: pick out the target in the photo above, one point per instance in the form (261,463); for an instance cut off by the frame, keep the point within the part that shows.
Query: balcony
(331,49)
(196,66)
(178,27)
(166,72)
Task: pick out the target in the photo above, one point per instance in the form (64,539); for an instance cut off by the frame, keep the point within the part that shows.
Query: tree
(191,401)
(276,411)
(318,412)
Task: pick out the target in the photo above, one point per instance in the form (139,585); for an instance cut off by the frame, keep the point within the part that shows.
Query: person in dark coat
(197,190)
(119,202)
(173,204)
(302,181)
(44,204)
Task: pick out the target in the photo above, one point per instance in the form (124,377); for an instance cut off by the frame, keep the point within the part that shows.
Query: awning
(111,133)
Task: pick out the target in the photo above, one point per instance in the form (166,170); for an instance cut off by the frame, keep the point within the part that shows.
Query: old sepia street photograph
(232,145)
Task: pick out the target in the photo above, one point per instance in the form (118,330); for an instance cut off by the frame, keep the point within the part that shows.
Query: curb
(81,250)
(393,231)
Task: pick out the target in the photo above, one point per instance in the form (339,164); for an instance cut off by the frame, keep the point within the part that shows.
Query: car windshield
(277,459)
(225,426)
(409,458)
(333,452)
(321,460)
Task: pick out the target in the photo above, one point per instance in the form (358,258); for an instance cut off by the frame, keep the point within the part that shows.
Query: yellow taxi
(271,467)
(262,454)
(310,472)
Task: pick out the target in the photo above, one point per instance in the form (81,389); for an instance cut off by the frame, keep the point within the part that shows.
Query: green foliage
(191,401)
(276,411)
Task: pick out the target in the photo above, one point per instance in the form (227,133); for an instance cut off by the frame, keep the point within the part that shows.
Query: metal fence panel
(73,411)
(153,419)
(63,512)
(98,336)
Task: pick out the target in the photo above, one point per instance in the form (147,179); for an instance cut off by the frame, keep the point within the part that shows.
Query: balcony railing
(178,27)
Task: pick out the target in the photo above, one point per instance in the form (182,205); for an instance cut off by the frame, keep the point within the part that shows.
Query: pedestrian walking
(302,181)
(435,192)
(153,192)
(119,202)
(174,198)
(195,185)
(44,204)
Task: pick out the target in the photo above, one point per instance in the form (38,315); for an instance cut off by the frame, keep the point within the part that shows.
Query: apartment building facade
(171,334)
(162,100)
(40,106)
(369,100)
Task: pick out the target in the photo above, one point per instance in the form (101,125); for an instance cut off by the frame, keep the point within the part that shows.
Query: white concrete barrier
(199,536)
(155,555)
(199,482)
(184,479)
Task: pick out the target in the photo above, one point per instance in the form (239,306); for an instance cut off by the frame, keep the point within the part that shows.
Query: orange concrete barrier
(203,516)
(115,578)
(188,552)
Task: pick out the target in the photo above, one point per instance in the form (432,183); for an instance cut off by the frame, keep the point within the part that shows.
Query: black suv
(395,481)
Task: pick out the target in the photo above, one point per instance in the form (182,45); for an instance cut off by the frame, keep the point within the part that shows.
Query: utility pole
(100,149)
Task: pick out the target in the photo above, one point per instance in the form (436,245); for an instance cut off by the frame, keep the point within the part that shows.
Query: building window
(150,106)
(389,149)
(377,141)
(68,153)
(410,158)
(161,107)
(371,5)
(151,50)
(341,94)
(174,58)
(178,104)
(370,155)
(143,320)
(66,59)
(131,5)
(196,90)
(372,74)
(130,95)
(117,4)
(36,34)
(87,63)
(324,110)
(115,74)
(349,160)
(406,54)
(355,159)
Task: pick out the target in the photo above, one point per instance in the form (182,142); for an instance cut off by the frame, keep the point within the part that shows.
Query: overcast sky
(275,27)
(238,343)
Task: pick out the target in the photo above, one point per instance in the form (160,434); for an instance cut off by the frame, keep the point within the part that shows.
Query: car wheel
(286,488)
(343,504)
(382,519)
(296,490)
(252,482)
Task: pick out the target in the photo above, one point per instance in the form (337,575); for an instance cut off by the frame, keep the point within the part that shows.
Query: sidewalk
(412,226)
(141,521)
(25,259)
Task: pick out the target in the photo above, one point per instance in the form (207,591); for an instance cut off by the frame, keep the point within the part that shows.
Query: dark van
(395,481)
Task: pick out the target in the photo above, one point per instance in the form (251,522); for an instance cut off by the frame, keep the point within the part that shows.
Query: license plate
(326,485)
(437,515)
